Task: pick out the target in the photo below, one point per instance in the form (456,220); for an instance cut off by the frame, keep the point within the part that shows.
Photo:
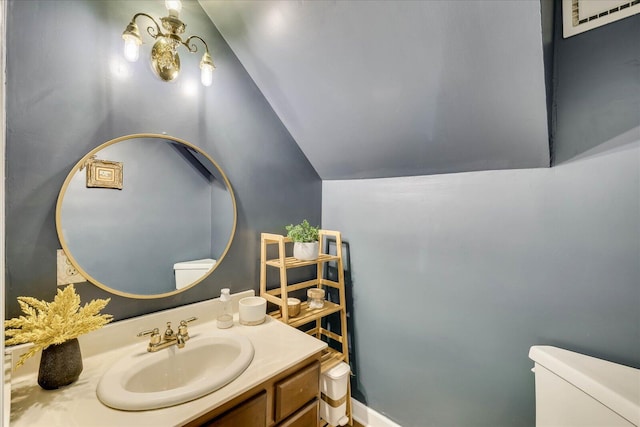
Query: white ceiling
(394,88)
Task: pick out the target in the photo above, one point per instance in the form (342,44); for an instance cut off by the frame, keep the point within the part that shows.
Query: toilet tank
(187,272)
(573,389)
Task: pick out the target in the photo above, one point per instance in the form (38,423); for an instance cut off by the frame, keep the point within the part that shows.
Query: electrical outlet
(67,273)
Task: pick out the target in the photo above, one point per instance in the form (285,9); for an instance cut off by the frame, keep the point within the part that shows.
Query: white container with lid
(252,311)
(333,384)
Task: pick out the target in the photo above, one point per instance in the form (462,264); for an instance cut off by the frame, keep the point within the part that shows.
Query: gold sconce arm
(192,47)
(153,32)
(165,61)
(206,63)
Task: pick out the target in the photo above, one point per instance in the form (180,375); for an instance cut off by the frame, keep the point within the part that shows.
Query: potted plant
(54,327)
(305,237)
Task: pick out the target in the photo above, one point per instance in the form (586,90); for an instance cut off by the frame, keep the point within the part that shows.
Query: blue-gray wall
(398,88)
(454,277)
(597,87)
(69,90)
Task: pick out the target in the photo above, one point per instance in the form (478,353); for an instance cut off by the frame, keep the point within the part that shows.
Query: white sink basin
(172,376)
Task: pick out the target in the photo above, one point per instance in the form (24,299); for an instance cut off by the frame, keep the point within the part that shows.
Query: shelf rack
(307,316)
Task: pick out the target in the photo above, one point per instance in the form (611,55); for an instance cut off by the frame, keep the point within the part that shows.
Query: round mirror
(146,215)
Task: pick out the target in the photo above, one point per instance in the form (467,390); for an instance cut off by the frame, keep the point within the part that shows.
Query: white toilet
(577,390)
(187,272)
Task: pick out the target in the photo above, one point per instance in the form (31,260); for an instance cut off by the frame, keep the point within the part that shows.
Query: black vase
(60,365)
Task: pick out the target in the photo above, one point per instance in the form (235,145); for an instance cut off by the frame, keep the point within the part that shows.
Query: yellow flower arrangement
(48,323)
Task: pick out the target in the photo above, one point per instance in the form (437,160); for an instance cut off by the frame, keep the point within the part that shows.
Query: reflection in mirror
(169,225)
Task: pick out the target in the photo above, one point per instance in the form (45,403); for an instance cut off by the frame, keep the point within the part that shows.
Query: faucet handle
(182,329)
(191,319)
(155,335)
(149,332)
(183,333)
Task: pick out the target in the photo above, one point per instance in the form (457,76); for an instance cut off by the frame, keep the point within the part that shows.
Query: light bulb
(206,74)
(131,49)
(206,69)
(173,5)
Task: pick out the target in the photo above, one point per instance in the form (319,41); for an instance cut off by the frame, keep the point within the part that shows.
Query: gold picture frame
(104,174)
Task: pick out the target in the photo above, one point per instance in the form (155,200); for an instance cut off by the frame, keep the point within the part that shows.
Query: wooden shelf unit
(308,315)
(278,296)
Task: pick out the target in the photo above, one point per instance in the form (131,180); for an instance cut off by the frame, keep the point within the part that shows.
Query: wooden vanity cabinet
(306,417)
(251,413)
(294,391)
(290,399)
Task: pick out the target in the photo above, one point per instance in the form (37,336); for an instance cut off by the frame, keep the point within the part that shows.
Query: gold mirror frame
(83,162)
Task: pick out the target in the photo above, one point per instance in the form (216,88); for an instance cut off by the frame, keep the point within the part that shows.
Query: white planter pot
(306,251)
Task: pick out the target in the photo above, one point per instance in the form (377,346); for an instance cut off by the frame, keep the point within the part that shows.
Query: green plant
(303,232)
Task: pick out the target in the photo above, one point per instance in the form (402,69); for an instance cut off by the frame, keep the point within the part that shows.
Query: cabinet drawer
(306,417)
(293,392)
(252,413)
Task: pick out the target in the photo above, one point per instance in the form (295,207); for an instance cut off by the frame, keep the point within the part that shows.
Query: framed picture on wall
(104,174)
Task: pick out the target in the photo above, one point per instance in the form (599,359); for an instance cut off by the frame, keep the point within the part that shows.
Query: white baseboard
(368,417)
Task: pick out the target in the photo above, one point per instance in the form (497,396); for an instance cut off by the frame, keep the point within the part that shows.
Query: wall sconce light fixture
(165,61)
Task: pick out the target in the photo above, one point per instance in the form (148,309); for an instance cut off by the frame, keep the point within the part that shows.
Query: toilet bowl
(187,272)
(577,390)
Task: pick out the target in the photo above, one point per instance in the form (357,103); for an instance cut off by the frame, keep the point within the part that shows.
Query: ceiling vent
(583,15)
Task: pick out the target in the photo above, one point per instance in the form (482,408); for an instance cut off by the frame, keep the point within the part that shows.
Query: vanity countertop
(277,348)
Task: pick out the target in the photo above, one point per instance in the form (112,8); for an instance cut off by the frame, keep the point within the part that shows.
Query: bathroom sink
(171,376)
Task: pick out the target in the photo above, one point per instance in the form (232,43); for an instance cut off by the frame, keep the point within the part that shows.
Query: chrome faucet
(169,337)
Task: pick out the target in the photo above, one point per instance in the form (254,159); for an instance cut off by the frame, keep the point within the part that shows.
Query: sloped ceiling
(395,88)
